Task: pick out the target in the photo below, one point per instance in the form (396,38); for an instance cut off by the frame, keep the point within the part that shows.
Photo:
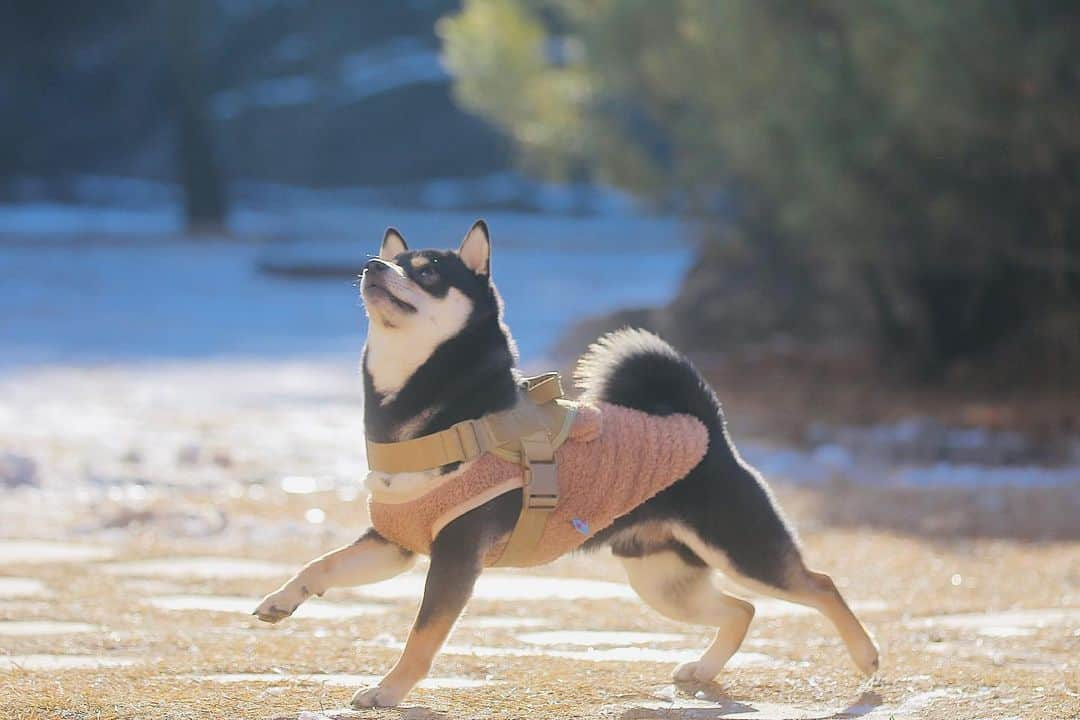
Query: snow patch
(592,638)
(312,609)
(18,587)
(497,586)
(200,567)
(829,463)
(483,622)
(1009,623)
(37,628)
(64,662)
(40,551)
(770,607)
(174,298)
(614,654)
(334,679)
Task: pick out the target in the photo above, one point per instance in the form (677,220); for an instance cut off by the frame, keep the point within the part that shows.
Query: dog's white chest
(404,487)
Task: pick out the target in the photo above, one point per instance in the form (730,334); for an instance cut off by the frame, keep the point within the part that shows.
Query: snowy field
(132,297)
(101,294)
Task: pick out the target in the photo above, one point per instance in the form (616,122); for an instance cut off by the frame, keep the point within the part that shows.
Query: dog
(438,353)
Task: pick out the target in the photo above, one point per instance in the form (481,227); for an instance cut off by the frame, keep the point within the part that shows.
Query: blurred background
(860,219)
(902,177)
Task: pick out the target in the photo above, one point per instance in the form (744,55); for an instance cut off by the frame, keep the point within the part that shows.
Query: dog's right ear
(392,245)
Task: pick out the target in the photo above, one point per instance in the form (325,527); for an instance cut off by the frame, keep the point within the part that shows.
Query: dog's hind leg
(796,583)
(370,559)
(683,588)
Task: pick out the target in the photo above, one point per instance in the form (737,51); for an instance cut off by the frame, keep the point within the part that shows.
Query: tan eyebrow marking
(419,261)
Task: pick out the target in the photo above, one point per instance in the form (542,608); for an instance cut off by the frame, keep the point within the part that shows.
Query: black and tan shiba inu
(438,354)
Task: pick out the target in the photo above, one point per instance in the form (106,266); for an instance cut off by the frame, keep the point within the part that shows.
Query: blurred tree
(306,92)
(197,166)
(78,84)
(911,166)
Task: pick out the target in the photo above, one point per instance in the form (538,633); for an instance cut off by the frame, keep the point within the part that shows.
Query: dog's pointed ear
(392,244)
(475,250)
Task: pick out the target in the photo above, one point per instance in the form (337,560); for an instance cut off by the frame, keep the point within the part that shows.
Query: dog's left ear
(475,250)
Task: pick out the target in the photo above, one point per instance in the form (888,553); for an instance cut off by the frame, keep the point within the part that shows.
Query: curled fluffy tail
(636,369)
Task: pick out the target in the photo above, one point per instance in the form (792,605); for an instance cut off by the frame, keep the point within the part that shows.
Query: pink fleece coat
(613,460)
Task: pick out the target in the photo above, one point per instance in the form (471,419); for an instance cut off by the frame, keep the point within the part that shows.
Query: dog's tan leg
(687,593)
(369,559)
(818,591)
(412,667)
(805,587)
(456,562)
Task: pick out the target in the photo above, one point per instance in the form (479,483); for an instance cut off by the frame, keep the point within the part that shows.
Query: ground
(161,501)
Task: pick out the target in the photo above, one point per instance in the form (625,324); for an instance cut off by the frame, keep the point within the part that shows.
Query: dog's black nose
(375,265)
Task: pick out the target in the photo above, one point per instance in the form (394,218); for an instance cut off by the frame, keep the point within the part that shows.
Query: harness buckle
(541,472)
(542,486)
(540,495)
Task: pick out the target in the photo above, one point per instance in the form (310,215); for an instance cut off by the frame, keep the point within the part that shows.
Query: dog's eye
(426,274)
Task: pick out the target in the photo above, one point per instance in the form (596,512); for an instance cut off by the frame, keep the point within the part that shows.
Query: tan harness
(529,434)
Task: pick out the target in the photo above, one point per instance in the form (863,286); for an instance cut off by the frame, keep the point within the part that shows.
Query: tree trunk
(196,162)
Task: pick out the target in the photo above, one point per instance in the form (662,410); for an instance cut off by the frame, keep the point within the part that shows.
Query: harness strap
(463,441)
(469,439)
(528,433)
(539,497)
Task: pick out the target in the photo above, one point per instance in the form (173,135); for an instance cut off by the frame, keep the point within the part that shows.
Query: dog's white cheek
(394,354)
(449,315)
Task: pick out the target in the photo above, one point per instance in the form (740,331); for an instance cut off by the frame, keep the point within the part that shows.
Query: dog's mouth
(379,291)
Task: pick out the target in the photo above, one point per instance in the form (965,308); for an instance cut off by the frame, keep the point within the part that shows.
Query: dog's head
(417,300)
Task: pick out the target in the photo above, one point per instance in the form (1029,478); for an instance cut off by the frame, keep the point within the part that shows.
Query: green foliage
(911,163)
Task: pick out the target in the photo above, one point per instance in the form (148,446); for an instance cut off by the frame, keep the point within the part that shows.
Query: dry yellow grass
(952,672)
(213,457)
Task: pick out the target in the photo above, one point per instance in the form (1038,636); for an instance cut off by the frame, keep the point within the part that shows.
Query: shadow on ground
(713,702)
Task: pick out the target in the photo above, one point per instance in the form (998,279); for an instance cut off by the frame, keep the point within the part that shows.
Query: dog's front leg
(456,561)
(370,559)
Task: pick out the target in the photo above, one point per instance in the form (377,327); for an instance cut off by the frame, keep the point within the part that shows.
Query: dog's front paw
(379,696)
(697,671)
(280,604)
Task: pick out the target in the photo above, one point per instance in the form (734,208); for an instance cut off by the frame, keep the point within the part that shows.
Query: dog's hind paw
(867,659)
(696,671)
(378,696)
